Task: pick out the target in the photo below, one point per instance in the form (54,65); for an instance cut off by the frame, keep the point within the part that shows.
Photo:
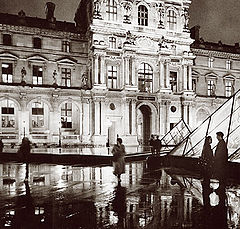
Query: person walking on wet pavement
(151,143)
(221,157)
(118,152)
(206,160)
(158,145)
(24,150)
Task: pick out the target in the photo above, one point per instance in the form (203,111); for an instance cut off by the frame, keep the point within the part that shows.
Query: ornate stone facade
(125,68)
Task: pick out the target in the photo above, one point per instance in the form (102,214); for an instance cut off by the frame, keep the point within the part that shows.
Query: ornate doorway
(144,120)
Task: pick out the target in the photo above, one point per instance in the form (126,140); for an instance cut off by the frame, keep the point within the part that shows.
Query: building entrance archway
(144,124)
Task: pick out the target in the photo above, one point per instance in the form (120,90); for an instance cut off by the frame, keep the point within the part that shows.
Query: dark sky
(219,19)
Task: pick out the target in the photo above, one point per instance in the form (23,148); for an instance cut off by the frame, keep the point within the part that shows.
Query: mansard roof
(10,19)
(220,47)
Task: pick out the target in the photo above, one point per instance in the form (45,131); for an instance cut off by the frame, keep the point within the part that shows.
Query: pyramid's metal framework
(225,119)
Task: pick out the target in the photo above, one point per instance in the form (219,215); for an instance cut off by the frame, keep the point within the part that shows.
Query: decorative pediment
(8,56)
(146,43)
(211,75)
(229,77)
(67,61)
(37,58)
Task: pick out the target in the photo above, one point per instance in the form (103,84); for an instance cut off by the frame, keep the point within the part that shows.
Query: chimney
(195,32)
(49,10)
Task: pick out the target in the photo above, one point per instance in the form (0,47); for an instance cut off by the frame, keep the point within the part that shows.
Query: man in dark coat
(221,157)
(158,145)
(151,144)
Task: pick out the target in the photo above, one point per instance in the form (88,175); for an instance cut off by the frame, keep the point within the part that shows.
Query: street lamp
(109,123)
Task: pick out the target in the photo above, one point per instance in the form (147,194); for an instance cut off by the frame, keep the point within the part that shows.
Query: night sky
(219,19)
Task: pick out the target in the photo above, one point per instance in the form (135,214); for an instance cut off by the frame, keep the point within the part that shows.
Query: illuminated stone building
(124,68)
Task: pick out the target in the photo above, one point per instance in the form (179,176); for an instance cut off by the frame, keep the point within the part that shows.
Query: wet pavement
(62,197)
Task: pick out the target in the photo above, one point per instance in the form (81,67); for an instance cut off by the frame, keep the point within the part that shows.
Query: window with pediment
(173,81)
(112,43)
(66,77)
(142,15)
(66,115)
(111,10)
(145,78)
(171,20)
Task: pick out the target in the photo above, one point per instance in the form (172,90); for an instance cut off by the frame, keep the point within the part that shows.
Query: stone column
(190,78)
(97,117)
(104,128)
(167,127)
(134,77)
(103,79)
(96,69)
(134,116)
(126,127)
(161,74)
(162,118)
(126,70)
(185,77)
(167,74)
(86,118)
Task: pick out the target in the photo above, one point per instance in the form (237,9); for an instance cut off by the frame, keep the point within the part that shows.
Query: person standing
(151,143)
(207,157)
(158,145)
(221,157)
(118,152)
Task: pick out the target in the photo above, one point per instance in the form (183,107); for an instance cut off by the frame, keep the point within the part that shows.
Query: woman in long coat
(207,157)
(118,152)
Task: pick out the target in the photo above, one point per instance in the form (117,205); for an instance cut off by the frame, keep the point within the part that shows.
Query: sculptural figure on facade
(161,12)
(97,9)
(127,11)
(23,73)
(54,77)
(162,43)
(84,80)
(185,17)
(130,39)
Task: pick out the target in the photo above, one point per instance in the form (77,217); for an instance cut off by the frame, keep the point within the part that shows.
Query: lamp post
(24,130)
(59,140)
(109,123)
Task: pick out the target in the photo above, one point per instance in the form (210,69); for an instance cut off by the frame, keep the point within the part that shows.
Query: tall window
(111,10)
(142,15)
(210,62)
(37,43)
(66,115)
(173,81)
(7,39)
(211,88)
(66,46)
(8,115)
(112,43)
(145,78)
(228,88)
(172,20)
(66,77)
(112,77)
(228,64)
(7,73)
(37,75)
(37,115)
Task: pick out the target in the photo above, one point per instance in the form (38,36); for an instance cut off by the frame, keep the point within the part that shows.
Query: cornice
(42,32)
(213,53)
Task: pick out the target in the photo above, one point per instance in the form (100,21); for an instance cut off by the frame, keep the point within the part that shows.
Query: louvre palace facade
(125,68)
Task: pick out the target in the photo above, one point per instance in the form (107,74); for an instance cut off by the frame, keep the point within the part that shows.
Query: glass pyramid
(225,119)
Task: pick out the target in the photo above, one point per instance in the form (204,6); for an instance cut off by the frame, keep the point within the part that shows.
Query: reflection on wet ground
(63,197)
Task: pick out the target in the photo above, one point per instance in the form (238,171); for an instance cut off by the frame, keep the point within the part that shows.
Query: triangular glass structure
(225,119)
(176,135)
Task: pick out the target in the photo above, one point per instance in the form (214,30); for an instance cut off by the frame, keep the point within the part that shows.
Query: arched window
(145,78)
(111,10)
(142,15)
(172,20)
